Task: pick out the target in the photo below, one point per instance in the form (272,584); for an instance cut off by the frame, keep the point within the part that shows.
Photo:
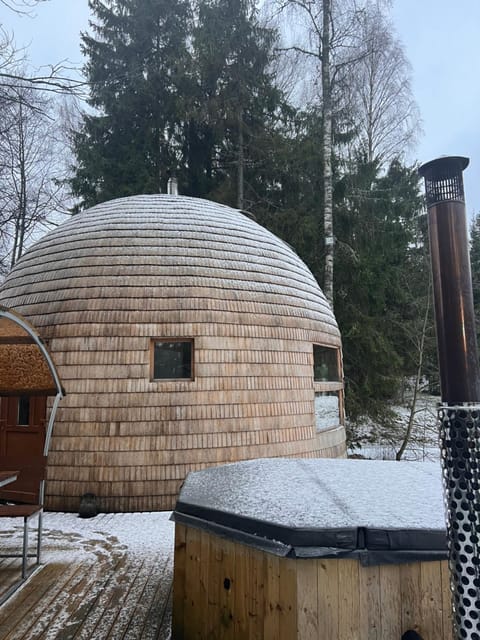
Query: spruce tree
(235,104)
(381,276)
(138,69)
(176,87)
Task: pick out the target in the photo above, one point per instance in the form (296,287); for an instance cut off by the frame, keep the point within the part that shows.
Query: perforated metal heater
(459,413)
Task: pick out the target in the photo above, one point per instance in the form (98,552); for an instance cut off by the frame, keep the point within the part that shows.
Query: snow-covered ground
(382,443)
(105,577)
(142,534)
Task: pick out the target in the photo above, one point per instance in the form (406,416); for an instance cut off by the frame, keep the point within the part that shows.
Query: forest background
(298,111)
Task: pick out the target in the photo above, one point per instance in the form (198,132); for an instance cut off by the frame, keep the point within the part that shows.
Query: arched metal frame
(21,322)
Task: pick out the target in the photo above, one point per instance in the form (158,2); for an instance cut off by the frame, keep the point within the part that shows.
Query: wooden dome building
(184,335)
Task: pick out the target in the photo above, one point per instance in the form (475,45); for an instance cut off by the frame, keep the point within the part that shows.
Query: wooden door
(22,438)
(22,426)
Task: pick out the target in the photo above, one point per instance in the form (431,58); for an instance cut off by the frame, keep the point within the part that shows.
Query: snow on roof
(151,241)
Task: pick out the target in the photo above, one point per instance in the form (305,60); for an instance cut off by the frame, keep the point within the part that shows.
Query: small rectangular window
(172,359)
(325,364)
(23,418)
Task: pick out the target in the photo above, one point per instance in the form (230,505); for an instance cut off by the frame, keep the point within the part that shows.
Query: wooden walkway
(105,578)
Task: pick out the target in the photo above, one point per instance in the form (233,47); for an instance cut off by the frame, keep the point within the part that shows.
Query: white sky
(442,42)
(441,39)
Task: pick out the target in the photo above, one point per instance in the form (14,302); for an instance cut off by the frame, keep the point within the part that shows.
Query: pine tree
(235,104)
(138,67)
(381,275)
(293,187)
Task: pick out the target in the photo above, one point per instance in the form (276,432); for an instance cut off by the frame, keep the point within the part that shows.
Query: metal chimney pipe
(459,415)
(172,186)
(452,280)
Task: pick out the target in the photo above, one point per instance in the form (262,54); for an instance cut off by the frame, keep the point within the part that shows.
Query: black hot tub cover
(378,511)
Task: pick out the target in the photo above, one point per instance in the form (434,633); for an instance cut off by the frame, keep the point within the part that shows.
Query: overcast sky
(441,40)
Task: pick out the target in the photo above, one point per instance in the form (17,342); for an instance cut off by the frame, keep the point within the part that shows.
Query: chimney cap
(443,167)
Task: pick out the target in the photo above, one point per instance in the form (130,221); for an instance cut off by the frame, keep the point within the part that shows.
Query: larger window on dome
(172,359)
(328,387)
(327,410)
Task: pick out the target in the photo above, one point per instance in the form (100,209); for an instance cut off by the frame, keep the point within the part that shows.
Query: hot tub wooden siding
(224,589)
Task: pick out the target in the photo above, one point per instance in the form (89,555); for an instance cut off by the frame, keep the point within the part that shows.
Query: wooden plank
(121,606)
(227,593)
(179,576)
(410,593)
(447,606)
(29,621)
(348,600)
(256,585)
(16,613)
(390,601)
(107,596)
(221,570)
(327,576)
(242,586)
(288,599)
(215,578)
(370,606)
(271,623)
(193,612)
(131,582)
(431,600)
(204,580)
(307,599)
(152,608)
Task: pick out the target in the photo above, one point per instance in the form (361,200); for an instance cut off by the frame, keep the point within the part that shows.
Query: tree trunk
(418,377)
(327,152)
(20,221)
(241,162)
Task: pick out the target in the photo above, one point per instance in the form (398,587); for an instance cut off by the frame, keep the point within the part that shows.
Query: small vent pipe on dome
(459,412)
(172,186)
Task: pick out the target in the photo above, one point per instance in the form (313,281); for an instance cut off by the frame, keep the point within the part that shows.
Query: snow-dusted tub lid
(377,511)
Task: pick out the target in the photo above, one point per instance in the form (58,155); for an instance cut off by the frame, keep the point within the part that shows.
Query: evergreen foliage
(235,102)
(381,274)
(139,70)
(176,89)
(188,88)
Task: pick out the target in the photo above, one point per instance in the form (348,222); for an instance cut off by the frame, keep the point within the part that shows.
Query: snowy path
(106,577)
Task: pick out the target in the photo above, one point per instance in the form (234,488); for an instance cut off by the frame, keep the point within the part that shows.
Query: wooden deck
(108,577)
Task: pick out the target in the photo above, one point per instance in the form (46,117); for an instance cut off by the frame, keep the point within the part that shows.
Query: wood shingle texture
(23,368)
(103,287)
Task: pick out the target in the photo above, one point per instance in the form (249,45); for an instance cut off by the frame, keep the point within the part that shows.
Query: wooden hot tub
(311,549)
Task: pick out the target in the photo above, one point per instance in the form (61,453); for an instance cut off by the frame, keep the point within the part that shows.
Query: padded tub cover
(378,511)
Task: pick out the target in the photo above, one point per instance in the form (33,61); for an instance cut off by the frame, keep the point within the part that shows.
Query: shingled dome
(184,335)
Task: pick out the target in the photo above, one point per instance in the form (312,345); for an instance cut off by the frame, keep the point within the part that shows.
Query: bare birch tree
(32,170)
(333,41)
(60,77)
(21,6)
(383,111)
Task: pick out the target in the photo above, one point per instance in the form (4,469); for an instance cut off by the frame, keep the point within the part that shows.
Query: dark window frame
(154,342)
(332,361)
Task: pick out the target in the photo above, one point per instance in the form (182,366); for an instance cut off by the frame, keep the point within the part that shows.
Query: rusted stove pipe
(460,384)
